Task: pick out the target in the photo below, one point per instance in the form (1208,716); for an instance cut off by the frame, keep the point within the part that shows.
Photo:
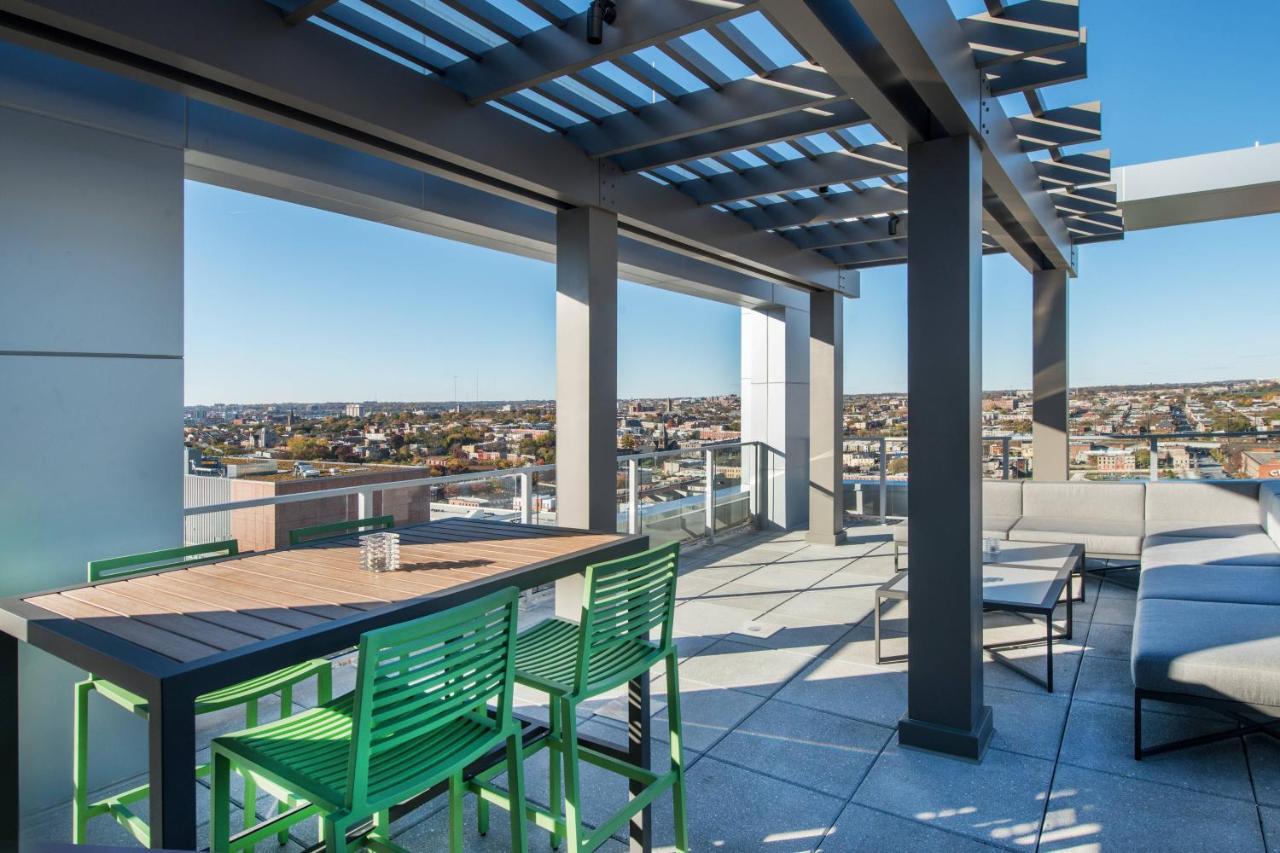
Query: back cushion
(1117,501)
(1204,501)
(1001,498)
(1269,503)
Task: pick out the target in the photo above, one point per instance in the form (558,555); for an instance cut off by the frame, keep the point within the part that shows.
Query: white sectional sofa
(1207,624)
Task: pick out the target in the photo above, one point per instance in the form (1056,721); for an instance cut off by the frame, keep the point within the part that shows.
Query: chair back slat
(133,564)
(626,599)
(299,535)
(420,676)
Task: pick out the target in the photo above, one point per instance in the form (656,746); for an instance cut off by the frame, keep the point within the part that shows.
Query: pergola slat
(857,233)
(744,136)
(827,208)
(752,99)
(556,51)
(1008,78)
(1059,127)
(871,161)
(1073,170)
(432,25)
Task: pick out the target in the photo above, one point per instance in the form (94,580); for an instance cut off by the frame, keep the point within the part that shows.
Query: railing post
(1155,458)
(1004,457)
(364,504)
(761,483)
(526,498)
(633,495)
(884,477)
(710,517)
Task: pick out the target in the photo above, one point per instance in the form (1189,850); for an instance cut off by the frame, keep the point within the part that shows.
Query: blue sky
(289,303)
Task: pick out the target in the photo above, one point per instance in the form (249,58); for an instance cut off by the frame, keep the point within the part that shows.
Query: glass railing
(877,467)
(679,495)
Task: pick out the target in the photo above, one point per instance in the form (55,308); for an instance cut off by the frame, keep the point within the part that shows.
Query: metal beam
(1031,28)
(739,102)
(848,233)
(306,10)
(1203,188)
(814,119)
(869,254)
(827,208)
(1007,78)
(553,52)
(869,161)
(237,54)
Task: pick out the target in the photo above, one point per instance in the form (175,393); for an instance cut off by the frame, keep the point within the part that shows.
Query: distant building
(355,410)
(1260,464)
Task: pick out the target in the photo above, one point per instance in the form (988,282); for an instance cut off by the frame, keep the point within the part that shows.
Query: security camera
(599,13)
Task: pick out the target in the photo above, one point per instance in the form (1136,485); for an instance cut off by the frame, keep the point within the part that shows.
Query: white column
(1050,385)
(586,379)
(91,258)
(775,408)
(826,418)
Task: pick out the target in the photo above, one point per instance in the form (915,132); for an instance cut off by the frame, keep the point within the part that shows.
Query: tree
(305,447)
(898,465)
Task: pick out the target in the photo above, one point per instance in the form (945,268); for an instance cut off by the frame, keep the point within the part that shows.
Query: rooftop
(790,730)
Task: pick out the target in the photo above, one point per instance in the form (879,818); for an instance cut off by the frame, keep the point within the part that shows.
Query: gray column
(1050,388)
(944,381)
(586,378)
(775,408)
(826,418)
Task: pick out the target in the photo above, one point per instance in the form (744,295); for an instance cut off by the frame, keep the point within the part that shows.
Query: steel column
(826,418)
(586,379)
(944,381)
(1050,388)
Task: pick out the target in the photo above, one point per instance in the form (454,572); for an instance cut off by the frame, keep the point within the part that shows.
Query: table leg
(9,790)
(639,747)
(1070,624)
(172,743)
(1048,673)
(876,623)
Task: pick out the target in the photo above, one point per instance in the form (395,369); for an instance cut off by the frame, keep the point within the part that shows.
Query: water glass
(380,552)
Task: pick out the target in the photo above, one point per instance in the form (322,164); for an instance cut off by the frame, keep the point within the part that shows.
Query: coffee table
(1028,578)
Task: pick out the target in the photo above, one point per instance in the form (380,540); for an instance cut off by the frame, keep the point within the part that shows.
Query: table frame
(1045,609)
(171,687)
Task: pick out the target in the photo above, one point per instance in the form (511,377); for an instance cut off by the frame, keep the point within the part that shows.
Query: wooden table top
(189,614)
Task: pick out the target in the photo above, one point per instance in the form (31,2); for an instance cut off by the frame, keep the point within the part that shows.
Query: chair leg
(381,827)
(554,759)
(572,785)
(515,790)
(675,736)
(250,814)
(286,710)
(220,812)
(334,836)
(456,790)
(80,764)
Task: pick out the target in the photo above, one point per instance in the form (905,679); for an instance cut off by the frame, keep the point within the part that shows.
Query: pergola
(760,152)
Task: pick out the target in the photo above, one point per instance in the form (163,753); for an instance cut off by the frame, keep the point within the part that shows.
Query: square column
(775,411)
(1050,388)
(586,379)
(944,384)
(826,418)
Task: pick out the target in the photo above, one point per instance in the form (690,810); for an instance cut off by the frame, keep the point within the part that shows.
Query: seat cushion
(1208,648)
(1001,498)
(1099,536)
(1269,505)
(993,527)
(1202,508)
(1236,582)
(1252,549)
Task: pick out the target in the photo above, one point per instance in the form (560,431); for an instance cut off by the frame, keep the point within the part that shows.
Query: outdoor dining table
(173,635)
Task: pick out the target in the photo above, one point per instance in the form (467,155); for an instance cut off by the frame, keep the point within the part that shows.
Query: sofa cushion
(1238,583)
(1001,499)
(1099,536)
(1202,508)
(1253,549)
(1110,501)
(996,527)
(1269,504)
(1208,648)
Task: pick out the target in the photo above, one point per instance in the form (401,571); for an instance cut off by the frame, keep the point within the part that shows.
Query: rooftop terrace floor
(789,729)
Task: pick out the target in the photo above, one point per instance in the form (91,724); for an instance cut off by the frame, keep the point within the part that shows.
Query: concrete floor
(789,731)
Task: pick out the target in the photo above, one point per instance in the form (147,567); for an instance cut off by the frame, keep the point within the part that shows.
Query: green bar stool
(626,600)
(299,535)
(419,716)
(245,694)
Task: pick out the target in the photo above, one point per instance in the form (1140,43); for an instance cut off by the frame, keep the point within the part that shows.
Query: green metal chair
(418,716)
(625,601)
(338,528)
(246,693)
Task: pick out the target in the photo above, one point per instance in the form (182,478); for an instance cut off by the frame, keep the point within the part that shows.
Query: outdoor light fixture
(824,189)
(599,13)
(894,219)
